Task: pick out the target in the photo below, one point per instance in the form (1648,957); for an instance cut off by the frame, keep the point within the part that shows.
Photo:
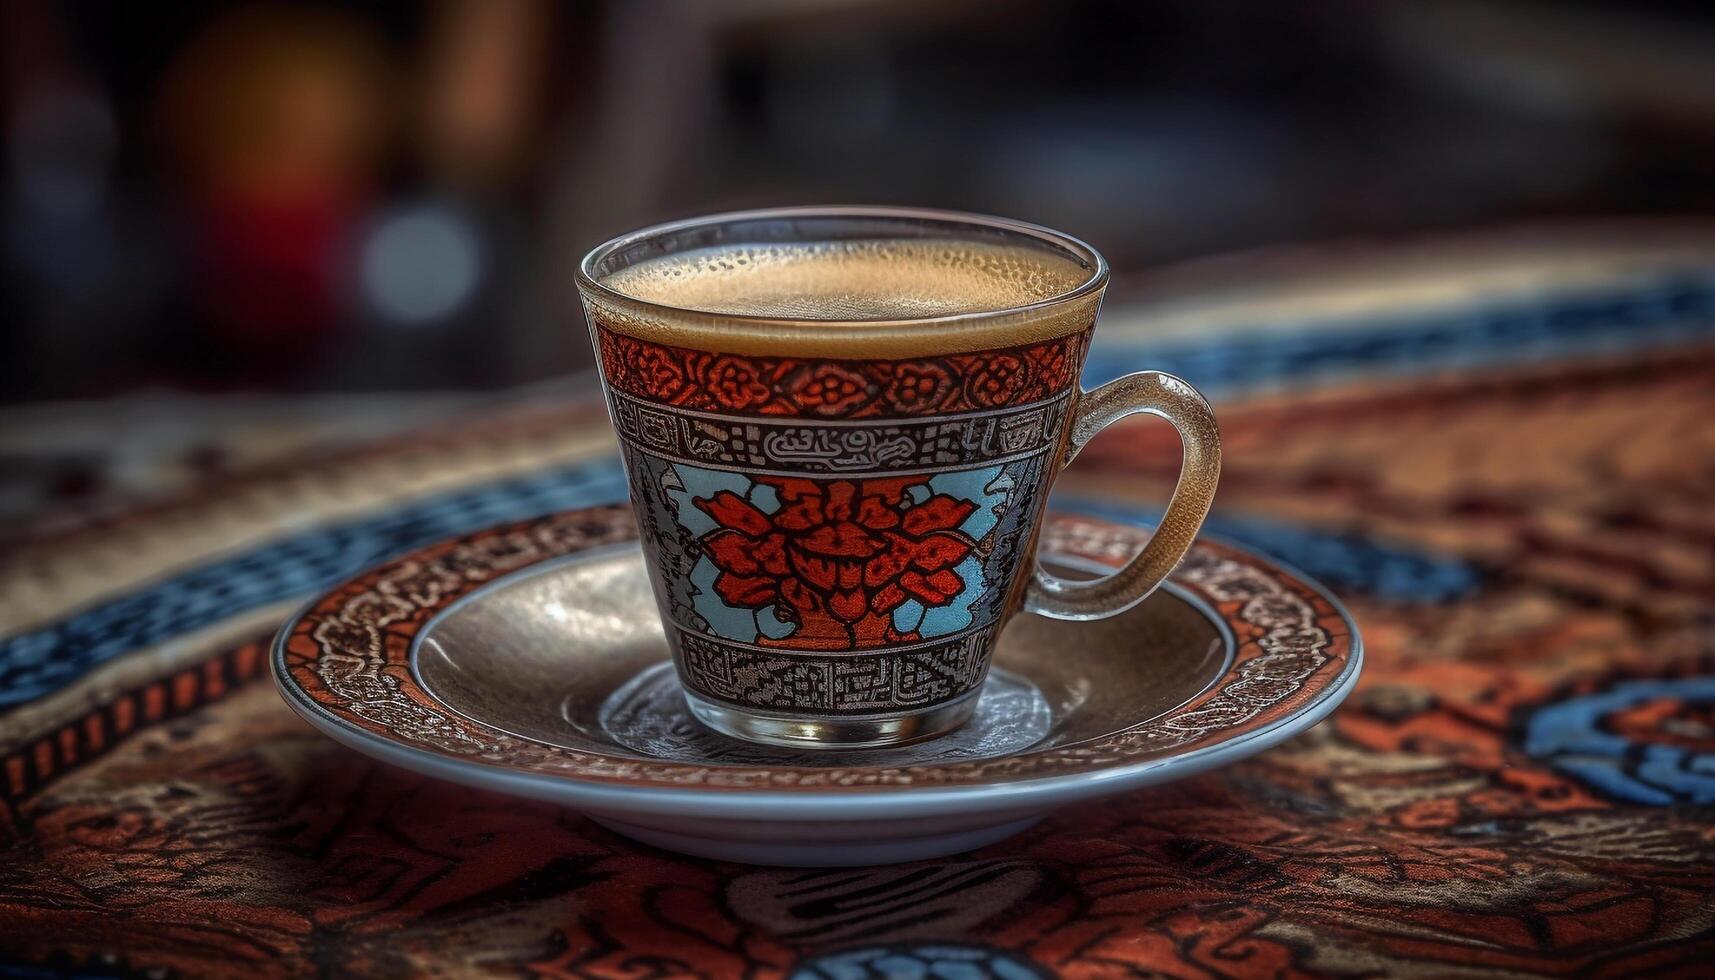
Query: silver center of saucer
(648,716)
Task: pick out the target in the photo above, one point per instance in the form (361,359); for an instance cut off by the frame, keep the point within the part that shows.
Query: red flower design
(829,389)
(734,383)
(918,386)
(996,381)
(1053,364)
(656,370)
(847,388)
(838,557)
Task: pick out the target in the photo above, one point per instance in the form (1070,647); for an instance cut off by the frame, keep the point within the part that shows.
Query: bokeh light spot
(421,265)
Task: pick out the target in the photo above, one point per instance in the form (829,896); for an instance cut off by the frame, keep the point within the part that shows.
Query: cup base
(833,733)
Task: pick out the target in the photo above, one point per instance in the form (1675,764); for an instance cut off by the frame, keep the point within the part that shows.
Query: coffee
(856,280)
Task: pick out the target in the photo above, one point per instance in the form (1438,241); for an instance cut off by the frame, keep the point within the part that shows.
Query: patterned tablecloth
(1501,453)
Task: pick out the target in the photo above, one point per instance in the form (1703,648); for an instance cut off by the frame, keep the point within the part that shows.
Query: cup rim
(763,326)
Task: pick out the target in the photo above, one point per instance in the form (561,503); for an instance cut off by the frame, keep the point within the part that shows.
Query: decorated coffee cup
(840,426)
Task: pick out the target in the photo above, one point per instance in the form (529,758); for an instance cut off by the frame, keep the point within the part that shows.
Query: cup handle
(1167,397)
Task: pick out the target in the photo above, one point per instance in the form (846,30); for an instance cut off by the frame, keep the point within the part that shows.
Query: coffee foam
(850,293)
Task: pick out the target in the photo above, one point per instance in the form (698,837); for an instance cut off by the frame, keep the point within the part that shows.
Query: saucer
(529,659)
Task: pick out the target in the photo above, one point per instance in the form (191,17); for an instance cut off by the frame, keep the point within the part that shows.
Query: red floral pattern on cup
(842,389)
(658,370)
(919,386)
(734,382)
(829,389)
(997,382)
(838,557)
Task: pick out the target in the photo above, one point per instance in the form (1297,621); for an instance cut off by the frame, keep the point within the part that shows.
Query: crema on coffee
(886,279)
(769,297)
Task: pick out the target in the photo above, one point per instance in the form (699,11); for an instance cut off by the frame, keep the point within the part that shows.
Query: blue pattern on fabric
(1343,561)
(1673,308)
(919,961)
(40,661)
(1571,736)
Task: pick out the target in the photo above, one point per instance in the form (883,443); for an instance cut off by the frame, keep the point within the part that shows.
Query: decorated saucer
(529,659)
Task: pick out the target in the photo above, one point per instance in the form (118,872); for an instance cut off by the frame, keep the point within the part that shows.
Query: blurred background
(228,205)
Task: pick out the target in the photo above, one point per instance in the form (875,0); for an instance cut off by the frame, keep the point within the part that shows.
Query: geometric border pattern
(900,679)
(830,448)
(33,764)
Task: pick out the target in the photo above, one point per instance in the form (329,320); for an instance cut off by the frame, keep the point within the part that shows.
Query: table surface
(1507,474)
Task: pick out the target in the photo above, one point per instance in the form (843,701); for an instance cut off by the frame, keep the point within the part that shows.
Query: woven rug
(1500,453)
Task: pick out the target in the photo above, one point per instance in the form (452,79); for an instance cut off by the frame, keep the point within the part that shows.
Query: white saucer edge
(1047,791)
